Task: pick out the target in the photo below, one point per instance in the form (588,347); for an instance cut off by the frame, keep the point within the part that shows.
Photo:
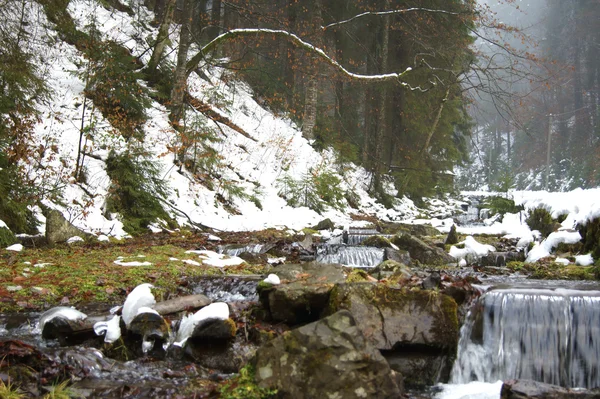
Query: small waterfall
(550,336)
(350,256)
(235,250)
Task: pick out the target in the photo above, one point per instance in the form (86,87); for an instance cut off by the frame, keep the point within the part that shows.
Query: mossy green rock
(390,268)
(419,230)
(214,330)
(390,316)
(421,251)
(329,358)
(59,229)
(303,292)
(377,241)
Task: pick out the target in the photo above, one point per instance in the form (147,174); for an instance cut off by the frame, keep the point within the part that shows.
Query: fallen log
(182,303)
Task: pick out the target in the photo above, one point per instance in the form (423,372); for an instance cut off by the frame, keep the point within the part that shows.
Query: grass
(61,391)
(9,391)
(87,273)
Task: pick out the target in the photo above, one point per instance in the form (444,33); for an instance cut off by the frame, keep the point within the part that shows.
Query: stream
(517,328)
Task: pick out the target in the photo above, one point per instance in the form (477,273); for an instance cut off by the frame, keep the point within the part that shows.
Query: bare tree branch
(390,12)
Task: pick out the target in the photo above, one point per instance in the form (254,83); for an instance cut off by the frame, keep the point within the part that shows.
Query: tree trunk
(162,37)
(383,99)
(180,84)
(436,121)
(312,86)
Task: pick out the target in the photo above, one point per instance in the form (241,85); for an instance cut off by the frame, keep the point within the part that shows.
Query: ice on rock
(140,297)
(111,329)
(272,279)
(217,310)
(61,311)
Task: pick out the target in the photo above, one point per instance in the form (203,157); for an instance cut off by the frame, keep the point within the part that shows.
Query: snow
(272,279)
(139,297)
(2,224)
(131,264)
(212,258)
(471,247)
(146,309)
(61,311)
(213,238)
(74,239)
(111,329)
(15,247)
(545,248)
(584,260)
(472,390)
(103,238)
(217,310)
(190,262)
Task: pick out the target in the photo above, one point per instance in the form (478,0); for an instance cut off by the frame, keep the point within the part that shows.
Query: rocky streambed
(388,326)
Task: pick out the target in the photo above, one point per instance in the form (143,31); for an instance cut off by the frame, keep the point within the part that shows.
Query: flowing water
(350,256)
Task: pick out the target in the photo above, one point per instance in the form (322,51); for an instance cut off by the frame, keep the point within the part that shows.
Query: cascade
(350,256)
(236,250)
(546,335)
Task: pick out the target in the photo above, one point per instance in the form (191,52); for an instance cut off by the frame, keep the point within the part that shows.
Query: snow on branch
(390,12)
(235,33)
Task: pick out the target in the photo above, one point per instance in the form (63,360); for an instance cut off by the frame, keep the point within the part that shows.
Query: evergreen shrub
(136,190)
(541,220)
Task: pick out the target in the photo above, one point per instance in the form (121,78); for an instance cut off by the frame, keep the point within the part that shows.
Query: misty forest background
(431,95)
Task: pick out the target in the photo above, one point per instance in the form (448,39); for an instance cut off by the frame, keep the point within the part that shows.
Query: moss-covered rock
(330,358)
(452,237)
(390,316)
(325,224)
(357,276)
(419,230)
(421,251)
(377,241)
(59,229)
(303,292)
(590,233)
(390,268)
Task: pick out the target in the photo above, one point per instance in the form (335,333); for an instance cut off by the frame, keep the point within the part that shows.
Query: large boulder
(416,330)
(303,292)
(391,268)
(421,251)
(329,358)
(526,389)
(419,230)
(59,229)
(390,316)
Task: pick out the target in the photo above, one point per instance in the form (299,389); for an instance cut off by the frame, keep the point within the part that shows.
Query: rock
(253,258)
(146,335)
(501,258)
(329,358)
(419,369)
(432,281)
(59,229)
(213,330)
(398,255)
(452,236)
(377,241)
(389,316)
(389,268)
(418,230)
(421,251)
(303,292)
(325,224)
(526,389)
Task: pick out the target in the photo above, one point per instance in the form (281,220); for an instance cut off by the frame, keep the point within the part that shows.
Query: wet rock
(227,357)
(421,251)
(59,229)
(419,368)
(325,224)
(398,255)
(146,335)
(452,236)
(326,359)
(390,316)
(253,258)
(432,281)
(214,330)
(500,259)
(389,268)
(303,292)
(526,389)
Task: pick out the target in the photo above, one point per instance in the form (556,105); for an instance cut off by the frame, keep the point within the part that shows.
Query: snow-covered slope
(257,166)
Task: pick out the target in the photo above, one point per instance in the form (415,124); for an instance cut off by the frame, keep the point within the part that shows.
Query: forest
(427,96)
